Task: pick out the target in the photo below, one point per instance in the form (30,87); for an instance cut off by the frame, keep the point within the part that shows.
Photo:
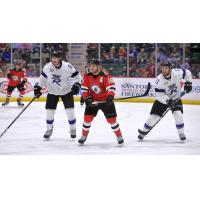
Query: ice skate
(73,133)
(20,104)
(120,140)
(182,137)
(82,139)
(5,103)
(142,134)
(48,134)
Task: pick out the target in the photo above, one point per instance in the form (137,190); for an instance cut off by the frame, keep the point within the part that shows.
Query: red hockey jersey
(98,86)
(16,77)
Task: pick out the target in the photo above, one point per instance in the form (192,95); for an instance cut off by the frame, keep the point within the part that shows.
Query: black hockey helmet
(57,54)
(94,62)
(167,63)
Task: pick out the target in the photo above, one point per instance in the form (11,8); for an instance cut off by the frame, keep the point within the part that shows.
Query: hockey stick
(132,97)
(17,116)
(137,96)
(168,109)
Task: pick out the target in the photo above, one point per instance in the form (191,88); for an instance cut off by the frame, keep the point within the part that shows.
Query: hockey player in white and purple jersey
(168,87)
(56,75)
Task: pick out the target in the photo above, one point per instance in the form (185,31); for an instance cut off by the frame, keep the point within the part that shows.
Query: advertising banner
(125,87)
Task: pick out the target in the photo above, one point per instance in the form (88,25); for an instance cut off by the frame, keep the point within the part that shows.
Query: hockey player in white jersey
(168,87)
(56,75)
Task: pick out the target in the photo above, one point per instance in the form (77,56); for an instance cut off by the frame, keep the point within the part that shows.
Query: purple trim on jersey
(179,126)
(147,126)
(72,121)
(50,121)
(43,74)
(184,72)
(74,74)
(159,90)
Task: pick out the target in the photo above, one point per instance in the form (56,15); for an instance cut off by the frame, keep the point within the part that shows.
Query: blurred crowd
(113,53)
(142,60)
(114,58)
(92,51)
(118,59)
(5,58)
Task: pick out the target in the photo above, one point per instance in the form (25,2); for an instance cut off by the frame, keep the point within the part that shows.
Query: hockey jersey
(16,77)
(171,87)
(58,80)
(98,86)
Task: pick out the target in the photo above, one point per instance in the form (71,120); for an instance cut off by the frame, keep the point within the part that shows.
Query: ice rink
(26,135)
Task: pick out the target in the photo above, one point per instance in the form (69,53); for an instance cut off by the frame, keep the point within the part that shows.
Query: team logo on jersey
(96,89)
(51,69)
(15,78)
(172,88)
(56,79)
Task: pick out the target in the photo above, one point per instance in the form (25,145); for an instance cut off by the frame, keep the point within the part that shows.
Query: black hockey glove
(37,91)
(9,76)
(188,86)
(24,81)
(75,88)
(88,101)
(170,103)
(109,100)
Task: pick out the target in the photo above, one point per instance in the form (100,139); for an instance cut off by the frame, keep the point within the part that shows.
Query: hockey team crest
(96,89)
(56,79)
(172,88)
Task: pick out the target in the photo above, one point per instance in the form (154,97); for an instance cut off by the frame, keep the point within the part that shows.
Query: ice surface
(26,134)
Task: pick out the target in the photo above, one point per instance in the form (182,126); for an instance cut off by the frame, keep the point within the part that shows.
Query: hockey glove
(24,81)
(109,100)
(9,76)
(75,88)
(188,86)
(88,101)
(37,91)
(170,103)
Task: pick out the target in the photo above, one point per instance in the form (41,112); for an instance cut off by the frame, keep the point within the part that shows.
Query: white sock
(150,122)
(71,118)
(178,117)
(50,118)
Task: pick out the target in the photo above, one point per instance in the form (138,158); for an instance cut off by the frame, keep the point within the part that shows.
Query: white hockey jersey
(58,80)
(171,88)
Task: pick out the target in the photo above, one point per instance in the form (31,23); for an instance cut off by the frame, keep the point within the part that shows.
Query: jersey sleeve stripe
(184,73)
(74,74)
(110,88)
(84,88)
(43,74)
(159,90)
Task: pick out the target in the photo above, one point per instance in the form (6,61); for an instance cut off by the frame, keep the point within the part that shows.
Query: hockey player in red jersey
(16,79)
(97,86)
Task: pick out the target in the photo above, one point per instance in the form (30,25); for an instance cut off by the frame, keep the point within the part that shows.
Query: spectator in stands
(92,51)
(2,47)
(162,55)
(6,56)
(1,74)
(3,67)
(112,53)
(175,55)
(142,56)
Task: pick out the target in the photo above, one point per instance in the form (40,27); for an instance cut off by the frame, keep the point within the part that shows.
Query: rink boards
(125,87)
